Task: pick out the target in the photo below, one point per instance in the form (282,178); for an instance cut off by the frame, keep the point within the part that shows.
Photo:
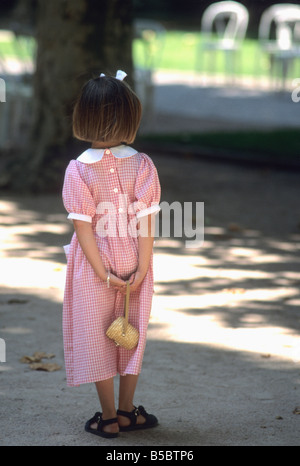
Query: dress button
(112,170)
(107,152)
(116,190)
(121,210)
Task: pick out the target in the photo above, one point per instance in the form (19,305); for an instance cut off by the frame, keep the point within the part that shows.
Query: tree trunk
(76,41)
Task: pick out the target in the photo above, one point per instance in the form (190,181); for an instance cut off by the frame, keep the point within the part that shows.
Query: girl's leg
(127,388)
(105,390)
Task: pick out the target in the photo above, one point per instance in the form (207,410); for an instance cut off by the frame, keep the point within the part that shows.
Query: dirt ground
(222,363)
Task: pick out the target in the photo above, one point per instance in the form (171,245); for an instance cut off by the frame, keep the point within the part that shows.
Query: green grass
(23,48)
(181,50)
(279,143)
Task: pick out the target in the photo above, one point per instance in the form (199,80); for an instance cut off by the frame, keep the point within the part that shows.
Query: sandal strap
(132,415)
(106,422)
(96,418)
(102,422)
(142,411)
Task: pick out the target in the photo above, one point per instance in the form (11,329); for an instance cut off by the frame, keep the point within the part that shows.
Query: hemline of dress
(73,384)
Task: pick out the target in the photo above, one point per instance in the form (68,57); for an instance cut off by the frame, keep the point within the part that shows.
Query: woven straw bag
(120,331)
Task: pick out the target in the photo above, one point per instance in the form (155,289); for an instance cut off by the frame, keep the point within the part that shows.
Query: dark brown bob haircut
(107,110)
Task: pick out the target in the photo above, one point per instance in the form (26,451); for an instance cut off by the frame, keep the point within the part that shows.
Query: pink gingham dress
(111,189)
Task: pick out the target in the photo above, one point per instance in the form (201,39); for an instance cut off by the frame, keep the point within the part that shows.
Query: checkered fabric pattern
(128,184)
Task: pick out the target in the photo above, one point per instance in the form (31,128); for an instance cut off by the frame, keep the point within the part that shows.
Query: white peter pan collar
(95,155)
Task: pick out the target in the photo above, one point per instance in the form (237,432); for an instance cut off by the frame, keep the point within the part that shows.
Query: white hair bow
(120,75)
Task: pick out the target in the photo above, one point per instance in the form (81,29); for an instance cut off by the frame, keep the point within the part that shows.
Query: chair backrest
(276,15)
(230,20)
(287,32)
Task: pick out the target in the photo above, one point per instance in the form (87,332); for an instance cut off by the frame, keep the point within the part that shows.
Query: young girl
(112,193)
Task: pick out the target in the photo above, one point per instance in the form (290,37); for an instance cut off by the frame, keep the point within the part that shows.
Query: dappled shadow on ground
(241,288)
(34,227)
(232,294)
(246,280)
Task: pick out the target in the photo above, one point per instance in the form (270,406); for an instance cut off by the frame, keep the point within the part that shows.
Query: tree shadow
(35,227)
(245,281)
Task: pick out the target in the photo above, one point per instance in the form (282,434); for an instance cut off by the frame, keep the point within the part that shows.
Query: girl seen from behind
(112,193)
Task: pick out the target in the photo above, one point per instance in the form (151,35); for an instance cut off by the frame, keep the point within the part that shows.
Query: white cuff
(66,249)
(84,218)
(150,210)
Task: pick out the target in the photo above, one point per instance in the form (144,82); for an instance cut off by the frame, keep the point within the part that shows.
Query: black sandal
(151,420)
(101,423)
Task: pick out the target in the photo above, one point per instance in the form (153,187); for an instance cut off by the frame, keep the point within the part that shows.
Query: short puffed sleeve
(77,197)
(147,188)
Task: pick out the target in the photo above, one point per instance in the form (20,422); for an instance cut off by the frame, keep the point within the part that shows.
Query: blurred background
(214,78)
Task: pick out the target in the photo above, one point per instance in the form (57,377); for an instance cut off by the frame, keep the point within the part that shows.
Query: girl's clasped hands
(135,281)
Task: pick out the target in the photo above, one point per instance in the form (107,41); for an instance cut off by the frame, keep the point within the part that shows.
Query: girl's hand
(136,280)
(117,283)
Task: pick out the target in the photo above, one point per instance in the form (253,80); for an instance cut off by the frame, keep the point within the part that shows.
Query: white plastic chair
(270,16)
(282,44)
(223,28)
